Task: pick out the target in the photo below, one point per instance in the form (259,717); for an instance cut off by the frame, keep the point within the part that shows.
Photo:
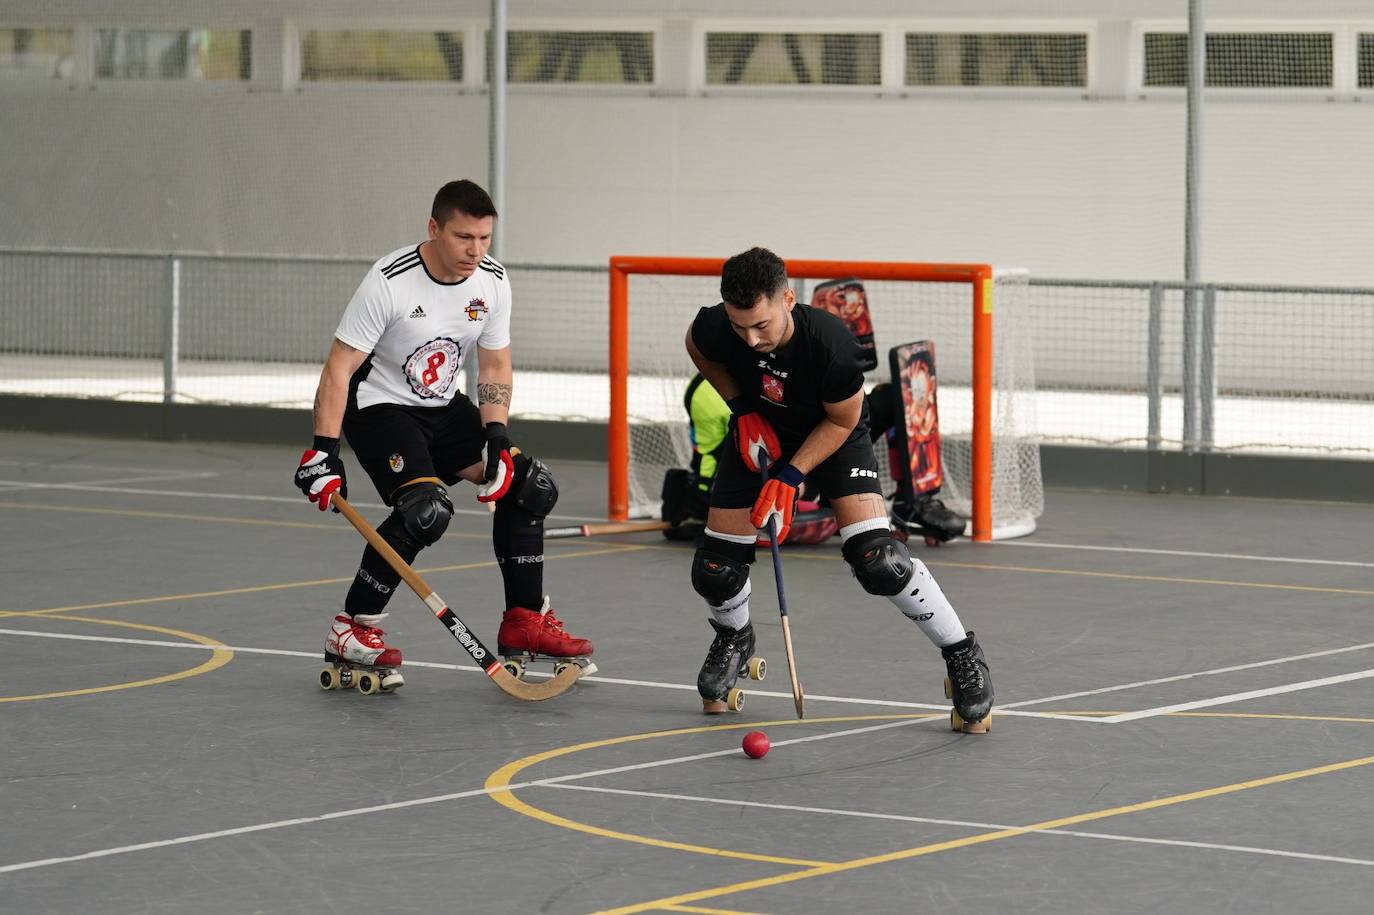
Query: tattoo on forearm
(493,393)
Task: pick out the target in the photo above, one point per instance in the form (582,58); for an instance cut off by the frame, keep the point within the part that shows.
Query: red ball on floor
(756,744)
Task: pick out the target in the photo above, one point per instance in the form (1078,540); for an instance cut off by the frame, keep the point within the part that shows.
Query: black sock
(517,538)
(376,581)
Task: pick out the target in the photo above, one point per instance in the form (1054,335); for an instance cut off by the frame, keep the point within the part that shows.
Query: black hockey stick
(798,699)
(485,658)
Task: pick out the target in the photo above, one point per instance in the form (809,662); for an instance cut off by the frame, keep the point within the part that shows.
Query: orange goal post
(974,312)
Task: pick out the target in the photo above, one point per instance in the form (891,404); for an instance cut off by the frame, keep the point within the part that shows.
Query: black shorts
(396,444)
(851,470)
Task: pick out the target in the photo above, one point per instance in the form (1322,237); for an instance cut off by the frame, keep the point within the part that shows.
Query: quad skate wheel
(933,541)
(949,689)
(368,684)
(561,666)
(391,680)
(713,706)
(734,700)
(514,668)
(957,723)
(757,668)
(329,678)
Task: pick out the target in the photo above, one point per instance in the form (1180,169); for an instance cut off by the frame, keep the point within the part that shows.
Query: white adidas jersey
(419,330)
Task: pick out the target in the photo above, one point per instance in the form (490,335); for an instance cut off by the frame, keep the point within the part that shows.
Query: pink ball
(756,744)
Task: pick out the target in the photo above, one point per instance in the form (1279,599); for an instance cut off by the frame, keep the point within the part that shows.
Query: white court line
(1201,673)
(991,827)
(614,681)
(233,496)
(145,478)
(1193,553)
(416,802)
(1236,697)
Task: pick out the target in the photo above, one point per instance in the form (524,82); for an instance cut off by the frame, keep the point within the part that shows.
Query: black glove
(498,454)
(321,473)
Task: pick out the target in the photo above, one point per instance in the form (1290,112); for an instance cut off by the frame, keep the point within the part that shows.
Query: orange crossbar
(978,276)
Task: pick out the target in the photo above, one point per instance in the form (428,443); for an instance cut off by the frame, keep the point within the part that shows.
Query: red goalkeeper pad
(846,300)
(918,428)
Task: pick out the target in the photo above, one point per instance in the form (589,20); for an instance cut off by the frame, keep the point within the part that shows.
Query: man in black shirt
(791,376)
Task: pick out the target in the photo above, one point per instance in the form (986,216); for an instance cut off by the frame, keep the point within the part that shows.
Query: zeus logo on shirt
(763,364)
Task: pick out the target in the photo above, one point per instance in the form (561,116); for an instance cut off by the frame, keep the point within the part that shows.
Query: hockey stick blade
(489,662)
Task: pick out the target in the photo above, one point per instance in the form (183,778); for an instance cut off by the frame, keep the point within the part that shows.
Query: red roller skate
(527,636)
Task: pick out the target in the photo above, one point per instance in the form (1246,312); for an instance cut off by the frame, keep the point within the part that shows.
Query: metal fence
(1227,367)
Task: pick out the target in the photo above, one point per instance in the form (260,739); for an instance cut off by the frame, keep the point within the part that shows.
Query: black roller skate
(927,517)
(731,652)
(969,684)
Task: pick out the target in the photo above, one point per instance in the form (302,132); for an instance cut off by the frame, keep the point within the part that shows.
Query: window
(193,54)
(381,56)
(1243,60)
(36,53)
(1022,59)
(792,58)
(579,57)
(1365,68)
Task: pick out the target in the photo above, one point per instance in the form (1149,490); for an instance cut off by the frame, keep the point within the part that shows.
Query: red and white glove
(321,472)
(778,499)
(754,435)
(498,454)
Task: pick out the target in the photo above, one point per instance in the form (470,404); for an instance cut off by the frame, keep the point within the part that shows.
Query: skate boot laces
(552,624)
(966,670)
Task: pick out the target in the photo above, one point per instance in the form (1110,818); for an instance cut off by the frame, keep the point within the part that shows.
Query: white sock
(734,613)
(921,601)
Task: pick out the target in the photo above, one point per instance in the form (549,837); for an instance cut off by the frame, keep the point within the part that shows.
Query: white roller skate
(358,657)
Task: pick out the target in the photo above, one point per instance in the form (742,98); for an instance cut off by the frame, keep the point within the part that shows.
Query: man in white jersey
(390,385)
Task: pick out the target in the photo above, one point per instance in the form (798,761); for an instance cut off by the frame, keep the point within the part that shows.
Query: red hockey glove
(498,456)
(754,435)
(777,499)
(321,472)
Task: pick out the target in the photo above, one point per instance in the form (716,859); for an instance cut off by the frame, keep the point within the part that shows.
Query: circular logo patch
(431,369)
(396,462)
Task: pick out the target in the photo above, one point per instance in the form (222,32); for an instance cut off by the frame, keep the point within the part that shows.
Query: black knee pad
(880,563)
(720,569)
(424,510)
(533,488)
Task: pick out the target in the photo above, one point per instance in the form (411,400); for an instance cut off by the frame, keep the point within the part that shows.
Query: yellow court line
(255,589)
(218,658)
(907,854)
(503,777)
(701,911)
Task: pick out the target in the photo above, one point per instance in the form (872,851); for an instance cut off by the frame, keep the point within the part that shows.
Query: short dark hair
(462,196)
(747,276)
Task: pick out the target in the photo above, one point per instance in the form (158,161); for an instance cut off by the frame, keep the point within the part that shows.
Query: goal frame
(979,278)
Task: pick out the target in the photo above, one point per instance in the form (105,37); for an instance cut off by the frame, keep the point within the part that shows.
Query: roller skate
(927,517)
(359,658)
(527,637)
(969,685)
(731,653)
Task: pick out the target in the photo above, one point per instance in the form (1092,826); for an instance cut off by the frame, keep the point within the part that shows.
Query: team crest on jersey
(477,309)
(772,388)
(396,462)
(432,368)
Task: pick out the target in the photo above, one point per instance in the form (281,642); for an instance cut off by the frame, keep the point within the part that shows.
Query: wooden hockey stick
(798,700)
(489,662)
(609,527)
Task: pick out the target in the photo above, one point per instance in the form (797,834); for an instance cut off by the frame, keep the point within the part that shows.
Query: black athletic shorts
(851,470)
(396,444)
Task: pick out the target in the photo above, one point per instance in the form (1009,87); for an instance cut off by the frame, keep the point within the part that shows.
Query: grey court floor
(1184,720)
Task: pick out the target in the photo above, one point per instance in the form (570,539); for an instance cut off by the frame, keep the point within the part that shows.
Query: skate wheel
(713,706)
(898,534)
(757,668)
(514,668)
(368,683)
(562,666)
(957,723)
(734,700)
(933,541)
(391,680)
(949,689)
(329,678)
